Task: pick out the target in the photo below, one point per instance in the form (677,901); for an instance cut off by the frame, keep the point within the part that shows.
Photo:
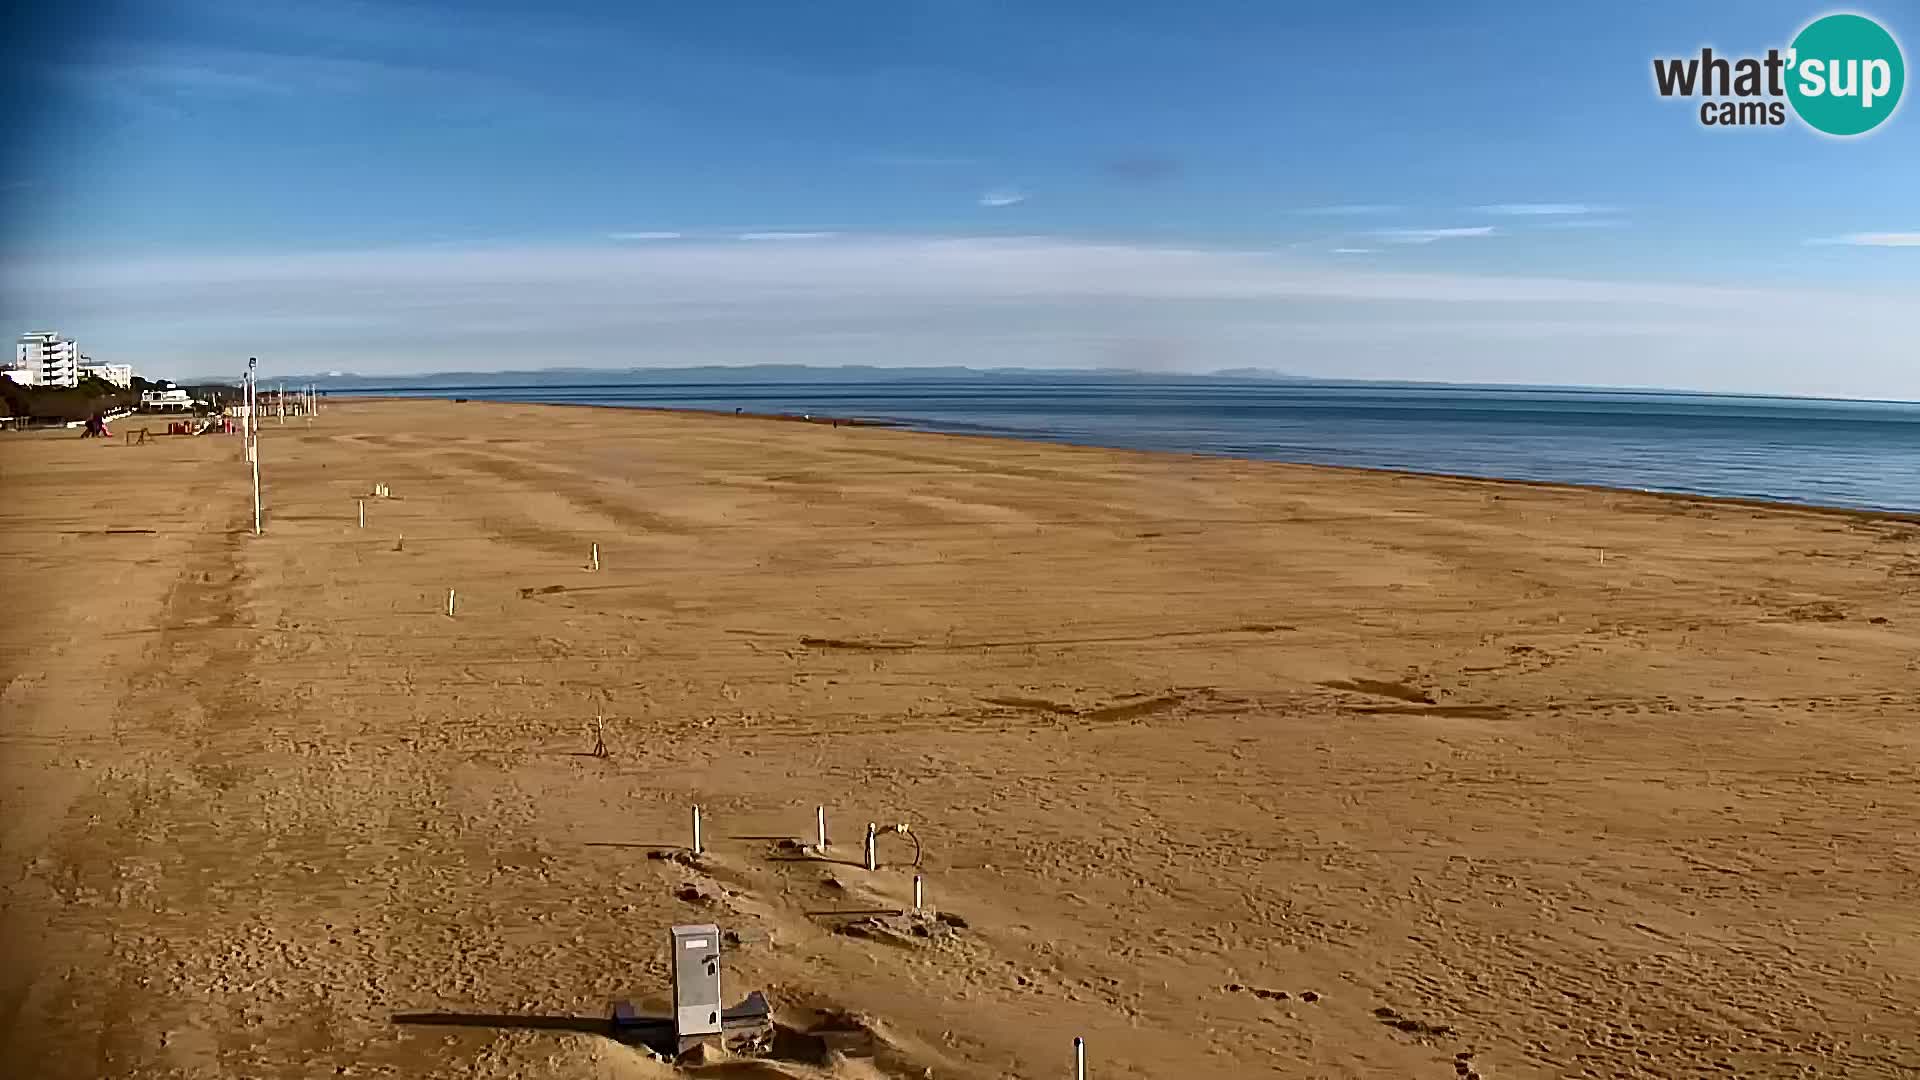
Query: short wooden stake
(596,557)
(872,863)
(449,603)
(919,895)
(696,829)
(820,827)
(363,512)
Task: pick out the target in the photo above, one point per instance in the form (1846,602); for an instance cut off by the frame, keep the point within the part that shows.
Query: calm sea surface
(1830,453)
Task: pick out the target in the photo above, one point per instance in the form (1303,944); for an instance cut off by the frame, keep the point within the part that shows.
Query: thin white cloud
(1352,251)
(1874,239)
(785,235)
(1584,223)
(170,78)
(1541,209)
(643,236)
(1003,197)
(1428,236)
(1350,209)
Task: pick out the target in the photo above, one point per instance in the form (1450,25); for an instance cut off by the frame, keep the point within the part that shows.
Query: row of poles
(871,859)
(871,850)
(250,431)
(309,397)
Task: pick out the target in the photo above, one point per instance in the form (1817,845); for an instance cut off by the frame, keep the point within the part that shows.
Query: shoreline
(1909,516)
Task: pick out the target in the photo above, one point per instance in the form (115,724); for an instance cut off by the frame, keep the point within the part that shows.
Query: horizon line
(1224,374)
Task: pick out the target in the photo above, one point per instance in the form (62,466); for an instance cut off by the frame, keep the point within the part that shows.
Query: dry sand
(1235,768)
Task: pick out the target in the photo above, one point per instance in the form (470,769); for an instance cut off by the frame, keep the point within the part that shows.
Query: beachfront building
(52,359)
(120,375)
(172,398)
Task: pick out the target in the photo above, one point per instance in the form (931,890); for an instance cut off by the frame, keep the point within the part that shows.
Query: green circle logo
(1845,74)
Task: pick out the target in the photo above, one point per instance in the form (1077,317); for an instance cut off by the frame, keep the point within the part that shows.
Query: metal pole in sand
(919,895)
(1079,1058)
(363,512)
(596,557)
(253,447)
(872,863)
(696,829)
(449,603)
(820,827)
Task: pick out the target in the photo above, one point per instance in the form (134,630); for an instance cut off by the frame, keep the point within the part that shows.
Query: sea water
(1858,454)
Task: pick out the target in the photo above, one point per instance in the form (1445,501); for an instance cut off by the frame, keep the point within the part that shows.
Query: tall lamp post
(253,439)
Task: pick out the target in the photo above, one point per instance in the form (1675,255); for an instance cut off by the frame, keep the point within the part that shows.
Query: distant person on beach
(96,427)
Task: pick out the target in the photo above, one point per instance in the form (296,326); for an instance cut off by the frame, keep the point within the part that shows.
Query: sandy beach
(1236,769)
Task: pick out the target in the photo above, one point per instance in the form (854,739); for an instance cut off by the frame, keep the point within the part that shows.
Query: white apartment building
(50,359)
(120,375)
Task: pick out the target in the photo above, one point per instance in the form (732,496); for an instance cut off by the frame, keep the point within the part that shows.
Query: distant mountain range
(750,374)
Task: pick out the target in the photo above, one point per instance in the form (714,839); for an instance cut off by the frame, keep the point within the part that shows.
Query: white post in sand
(253,443)
(449,603)
(1079,1058)
(596,558)
(820,828)
(363,512)
(872,863)
(696,829)
(919,895)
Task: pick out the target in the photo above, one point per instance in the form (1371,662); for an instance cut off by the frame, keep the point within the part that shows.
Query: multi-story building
(54,360)
(120,375)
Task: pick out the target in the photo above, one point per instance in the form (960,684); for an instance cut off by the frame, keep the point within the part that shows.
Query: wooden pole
(449,603)
(696,829)
(872,862)
(820,827)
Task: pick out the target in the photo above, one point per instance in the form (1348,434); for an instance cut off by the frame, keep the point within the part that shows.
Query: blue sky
(1476,191)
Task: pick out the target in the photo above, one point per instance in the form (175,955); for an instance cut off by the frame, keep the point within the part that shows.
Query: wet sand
(1234,768)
